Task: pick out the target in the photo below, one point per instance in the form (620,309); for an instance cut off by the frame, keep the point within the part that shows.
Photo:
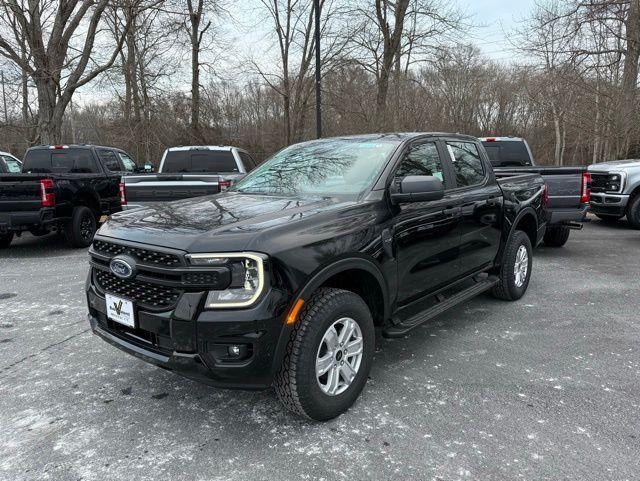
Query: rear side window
(109,160)
(59,161)
(422,159)
(12,165)
(467,165)
(199,161)
(247,161)
(507,152)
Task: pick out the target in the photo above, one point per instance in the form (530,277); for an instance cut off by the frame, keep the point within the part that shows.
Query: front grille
(599,182)
(145,294)
(144,255)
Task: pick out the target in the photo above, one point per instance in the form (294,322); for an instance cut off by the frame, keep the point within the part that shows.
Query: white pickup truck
(185,172)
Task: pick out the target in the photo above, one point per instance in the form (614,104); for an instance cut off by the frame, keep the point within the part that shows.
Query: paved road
(544,388)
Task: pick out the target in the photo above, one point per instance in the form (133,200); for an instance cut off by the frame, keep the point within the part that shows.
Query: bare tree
(58,62)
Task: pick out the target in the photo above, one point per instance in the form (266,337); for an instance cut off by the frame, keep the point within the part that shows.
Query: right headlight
(247,278)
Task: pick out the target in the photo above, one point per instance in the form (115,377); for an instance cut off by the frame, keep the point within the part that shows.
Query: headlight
(247,278)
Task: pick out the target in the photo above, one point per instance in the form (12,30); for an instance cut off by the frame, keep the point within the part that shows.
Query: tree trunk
(630,73)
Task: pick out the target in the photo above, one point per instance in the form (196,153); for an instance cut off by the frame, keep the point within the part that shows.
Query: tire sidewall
(315,402)
(75,237)
(633,214)
(518,239)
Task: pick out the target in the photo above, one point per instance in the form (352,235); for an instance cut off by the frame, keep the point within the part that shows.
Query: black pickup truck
(568,187)
(65,188)
(285,277)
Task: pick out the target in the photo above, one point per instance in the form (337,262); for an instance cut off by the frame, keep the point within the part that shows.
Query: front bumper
(609,204)
(192,342)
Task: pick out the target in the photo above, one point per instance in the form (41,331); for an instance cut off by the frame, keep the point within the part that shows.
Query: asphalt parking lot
(544,388)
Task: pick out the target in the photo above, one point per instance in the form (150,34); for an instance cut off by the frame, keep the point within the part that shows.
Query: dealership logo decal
(118,307)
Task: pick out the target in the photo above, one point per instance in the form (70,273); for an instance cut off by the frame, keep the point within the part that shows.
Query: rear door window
(467,165)
(247,161)
(200,161)
(59,161)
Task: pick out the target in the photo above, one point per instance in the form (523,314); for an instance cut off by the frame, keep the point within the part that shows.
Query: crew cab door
(426,234)
(109,188)
(480,199)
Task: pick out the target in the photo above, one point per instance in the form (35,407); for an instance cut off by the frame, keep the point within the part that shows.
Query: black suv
(284,278)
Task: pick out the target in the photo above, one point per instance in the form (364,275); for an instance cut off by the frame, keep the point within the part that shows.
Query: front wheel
(5,240)
(556,236)
(329,355)
(633,212)
(515,271)
(81,228)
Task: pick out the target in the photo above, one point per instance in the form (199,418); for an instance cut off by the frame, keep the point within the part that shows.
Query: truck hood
(615,165)
(221,222)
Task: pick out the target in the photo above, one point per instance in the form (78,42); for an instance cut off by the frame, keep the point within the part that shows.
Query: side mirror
(417,188)
(148,167)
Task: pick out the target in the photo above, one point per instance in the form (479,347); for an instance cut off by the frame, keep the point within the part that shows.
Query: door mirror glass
(148,167)
(417,188)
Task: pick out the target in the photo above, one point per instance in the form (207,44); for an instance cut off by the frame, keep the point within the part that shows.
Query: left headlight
(247,277)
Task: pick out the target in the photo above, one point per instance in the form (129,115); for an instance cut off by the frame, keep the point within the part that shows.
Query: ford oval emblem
(121,268)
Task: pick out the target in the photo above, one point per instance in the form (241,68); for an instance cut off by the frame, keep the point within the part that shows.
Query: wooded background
(159,73)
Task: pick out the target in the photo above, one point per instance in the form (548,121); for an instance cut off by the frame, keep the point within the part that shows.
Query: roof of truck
(73,146)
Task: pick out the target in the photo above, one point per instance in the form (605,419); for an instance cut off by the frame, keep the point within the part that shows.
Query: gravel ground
(544,388)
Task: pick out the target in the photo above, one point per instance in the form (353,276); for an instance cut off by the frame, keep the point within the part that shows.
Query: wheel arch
(357,274)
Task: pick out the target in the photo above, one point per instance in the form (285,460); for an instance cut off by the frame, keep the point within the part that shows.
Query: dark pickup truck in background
(62,188)
(188,172)
(285,277)
(568,187)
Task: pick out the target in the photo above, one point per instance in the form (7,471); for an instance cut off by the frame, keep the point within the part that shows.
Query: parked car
(568,186)
(284,277)
(615,190)
(62,188)
(9,164)
(188,172)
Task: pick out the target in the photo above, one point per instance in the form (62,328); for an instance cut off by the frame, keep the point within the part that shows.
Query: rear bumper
(611,204)
(194,342)
(562,216)
(21,221)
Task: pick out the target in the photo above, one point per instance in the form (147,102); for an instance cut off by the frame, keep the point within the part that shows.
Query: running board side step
(402,328)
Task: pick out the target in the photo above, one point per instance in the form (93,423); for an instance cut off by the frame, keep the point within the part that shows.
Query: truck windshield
(504,153)
(322,167)
(59,161)
(199,161)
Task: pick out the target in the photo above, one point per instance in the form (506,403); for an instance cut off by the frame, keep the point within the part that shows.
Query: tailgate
(19,193)
(167,187)
(564,183)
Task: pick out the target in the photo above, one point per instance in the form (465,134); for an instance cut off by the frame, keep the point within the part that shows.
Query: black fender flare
(346,263)
(525,211)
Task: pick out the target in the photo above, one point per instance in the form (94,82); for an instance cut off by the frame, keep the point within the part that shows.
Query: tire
(633,212)
(609,218)
(508,287)
(556,236)
(298,386)
(5,240)
(81,228)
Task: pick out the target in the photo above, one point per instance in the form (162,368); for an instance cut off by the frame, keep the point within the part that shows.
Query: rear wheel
(329,355)
(82,227)
(633,212)
(5,240)
(515,270)
(556,236)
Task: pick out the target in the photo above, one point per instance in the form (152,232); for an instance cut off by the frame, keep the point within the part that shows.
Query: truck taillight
(224,185)
(123,194)
(585,192)
(545,195)
(48,199)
